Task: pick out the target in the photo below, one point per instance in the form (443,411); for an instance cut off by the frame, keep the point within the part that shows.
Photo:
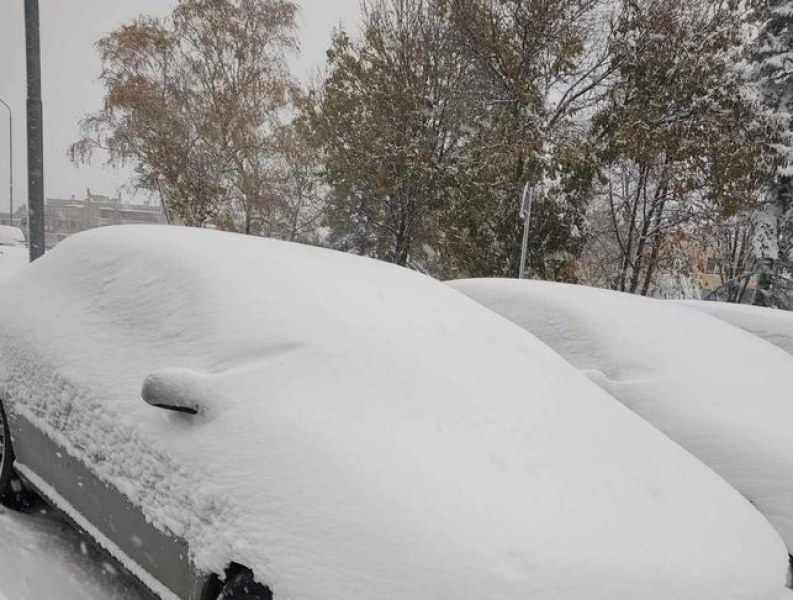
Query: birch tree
(678,139)
(192,102)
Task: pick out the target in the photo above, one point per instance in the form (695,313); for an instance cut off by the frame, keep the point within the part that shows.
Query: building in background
(63,218)
(20,218)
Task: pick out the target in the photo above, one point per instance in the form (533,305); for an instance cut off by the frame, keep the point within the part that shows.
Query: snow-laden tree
(434,119)
(678,140)
(387,119)
(772,65)
(539,69)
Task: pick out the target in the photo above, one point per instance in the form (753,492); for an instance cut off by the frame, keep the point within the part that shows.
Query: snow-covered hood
(367,432)
(775,326)
(720,392)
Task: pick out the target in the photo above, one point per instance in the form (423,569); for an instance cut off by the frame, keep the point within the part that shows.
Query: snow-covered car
(775,326)
(13,253)
(11,236)
(720,392)
(12,259)
(212,407)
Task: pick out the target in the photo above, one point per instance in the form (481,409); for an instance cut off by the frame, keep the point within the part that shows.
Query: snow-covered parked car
(775,326)
(211,406)
(720,392)
(11,236)
(13,253)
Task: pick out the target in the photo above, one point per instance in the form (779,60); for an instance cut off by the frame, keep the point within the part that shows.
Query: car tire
(7,493)
(242,586)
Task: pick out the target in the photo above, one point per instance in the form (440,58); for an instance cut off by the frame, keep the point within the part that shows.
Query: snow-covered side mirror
(174,389)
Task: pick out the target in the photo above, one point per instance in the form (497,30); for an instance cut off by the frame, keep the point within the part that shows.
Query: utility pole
(35,131)
(10,163)
(525,214)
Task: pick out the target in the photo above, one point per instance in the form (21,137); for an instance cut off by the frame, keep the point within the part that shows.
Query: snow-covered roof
(368,432)
(775,326)
(720,392)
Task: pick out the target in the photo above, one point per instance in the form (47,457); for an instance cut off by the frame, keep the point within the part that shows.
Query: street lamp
(525,214)
(35,128)
(10,163)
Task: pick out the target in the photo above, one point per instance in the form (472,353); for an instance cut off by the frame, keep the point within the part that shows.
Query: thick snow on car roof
(369,432)
(720,392)
(775,326)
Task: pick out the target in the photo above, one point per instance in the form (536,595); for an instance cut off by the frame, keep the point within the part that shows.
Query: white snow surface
(11,236)
(775,326)
(366,432)
(12,259)
(720,392)
(43,558)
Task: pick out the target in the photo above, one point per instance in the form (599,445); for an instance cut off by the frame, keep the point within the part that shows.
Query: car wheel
(7,493)
(241,586)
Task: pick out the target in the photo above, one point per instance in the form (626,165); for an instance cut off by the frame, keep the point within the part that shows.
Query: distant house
(710,276)
(63,218)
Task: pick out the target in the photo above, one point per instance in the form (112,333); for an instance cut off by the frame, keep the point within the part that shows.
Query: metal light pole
(525,214)
(35,131)
(10,163)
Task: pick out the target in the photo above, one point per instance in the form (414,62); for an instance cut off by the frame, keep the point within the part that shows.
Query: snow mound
(369,432)
(11,236)
(12,259)
(721,393)
(775,326)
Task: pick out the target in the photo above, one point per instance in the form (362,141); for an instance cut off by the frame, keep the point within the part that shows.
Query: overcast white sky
(70,88)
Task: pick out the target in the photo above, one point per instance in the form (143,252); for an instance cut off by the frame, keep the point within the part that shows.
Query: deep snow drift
(720,392)
(366,432)
(775,326)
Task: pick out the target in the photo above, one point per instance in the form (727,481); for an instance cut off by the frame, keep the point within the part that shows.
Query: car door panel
(31,448)
(164,556)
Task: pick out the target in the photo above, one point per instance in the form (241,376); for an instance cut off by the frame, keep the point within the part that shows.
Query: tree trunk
(657,239)
(764,281)
(627,261)
(767,265)
(401,243)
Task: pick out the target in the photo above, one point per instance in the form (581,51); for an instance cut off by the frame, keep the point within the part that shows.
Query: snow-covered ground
(42,557)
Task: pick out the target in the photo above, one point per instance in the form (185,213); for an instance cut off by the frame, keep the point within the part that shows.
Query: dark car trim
(159,561)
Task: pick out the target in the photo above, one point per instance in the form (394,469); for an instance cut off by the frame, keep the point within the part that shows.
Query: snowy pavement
(41,556)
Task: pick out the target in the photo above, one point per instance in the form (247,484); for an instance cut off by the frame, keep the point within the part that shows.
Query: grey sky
(70,69)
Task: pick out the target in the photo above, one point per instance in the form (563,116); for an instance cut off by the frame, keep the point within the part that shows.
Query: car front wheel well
(238,584)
